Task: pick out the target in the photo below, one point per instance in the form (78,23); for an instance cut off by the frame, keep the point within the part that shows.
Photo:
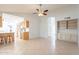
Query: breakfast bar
(6,38)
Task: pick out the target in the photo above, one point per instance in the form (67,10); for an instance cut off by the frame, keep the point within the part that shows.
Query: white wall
(34,29)
(71,11)
(44,27)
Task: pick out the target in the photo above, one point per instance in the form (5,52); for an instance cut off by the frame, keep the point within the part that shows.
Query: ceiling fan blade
(44,14)
(45,10)
(37,10)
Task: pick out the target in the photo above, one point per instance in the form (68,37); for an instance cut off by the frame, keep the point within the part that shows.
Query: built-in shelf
(67,30)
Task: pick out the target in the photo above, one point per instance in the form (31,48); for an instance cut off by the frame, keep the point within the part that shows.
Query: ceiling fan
(41,12)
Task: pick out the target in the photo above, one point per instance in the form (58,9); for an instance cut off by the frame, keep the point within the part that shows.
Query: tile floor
(39,46)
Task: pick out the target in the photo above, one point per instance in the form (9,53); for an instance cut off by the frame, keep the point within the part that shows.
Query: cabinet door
(0,21)
(25,36)
(61,36)
(68,35)
(58,36)
(27,24)
(73,36)
(72,24)
(62,24)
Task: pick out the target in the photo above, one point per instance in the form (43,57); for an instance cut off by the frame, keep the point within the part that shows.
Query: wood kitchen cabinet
(24,33)
(67,24)
(0,21)
(27,24)
(72,24)
(62,24)
(25,36)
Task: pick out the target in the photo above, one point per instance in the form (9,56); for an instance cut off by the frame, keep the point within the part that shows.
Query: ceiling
(28,8)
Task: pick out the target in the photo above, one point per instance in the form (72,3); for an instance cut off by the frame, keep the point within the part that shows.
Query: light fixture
(41,12)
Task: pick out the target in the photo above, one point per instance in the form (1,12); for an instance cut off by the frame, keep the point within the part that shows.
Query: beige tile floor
(39,46)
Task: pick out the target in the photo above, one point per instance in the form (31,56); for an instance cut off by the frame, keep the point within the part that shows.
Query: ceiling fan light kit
(40,14)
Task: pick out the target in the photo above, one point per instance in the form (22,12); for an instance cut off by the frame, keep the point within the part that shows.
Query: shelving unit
(67,30)
(72,24)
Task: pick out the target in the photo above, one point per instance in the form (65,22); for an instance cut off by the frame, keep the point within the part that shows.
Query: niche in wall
(67,30)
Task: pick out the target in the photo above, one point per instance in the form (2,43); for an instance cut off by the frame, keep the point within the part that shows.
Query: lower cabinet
(61,36)
(73,36)
(68,35)
(25,36)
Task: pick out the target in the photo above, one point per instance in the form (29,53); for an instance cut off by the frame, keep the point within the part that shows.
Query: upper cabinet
(27,24)
(67,24)
(0,21)
(62,24)
(72,24)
